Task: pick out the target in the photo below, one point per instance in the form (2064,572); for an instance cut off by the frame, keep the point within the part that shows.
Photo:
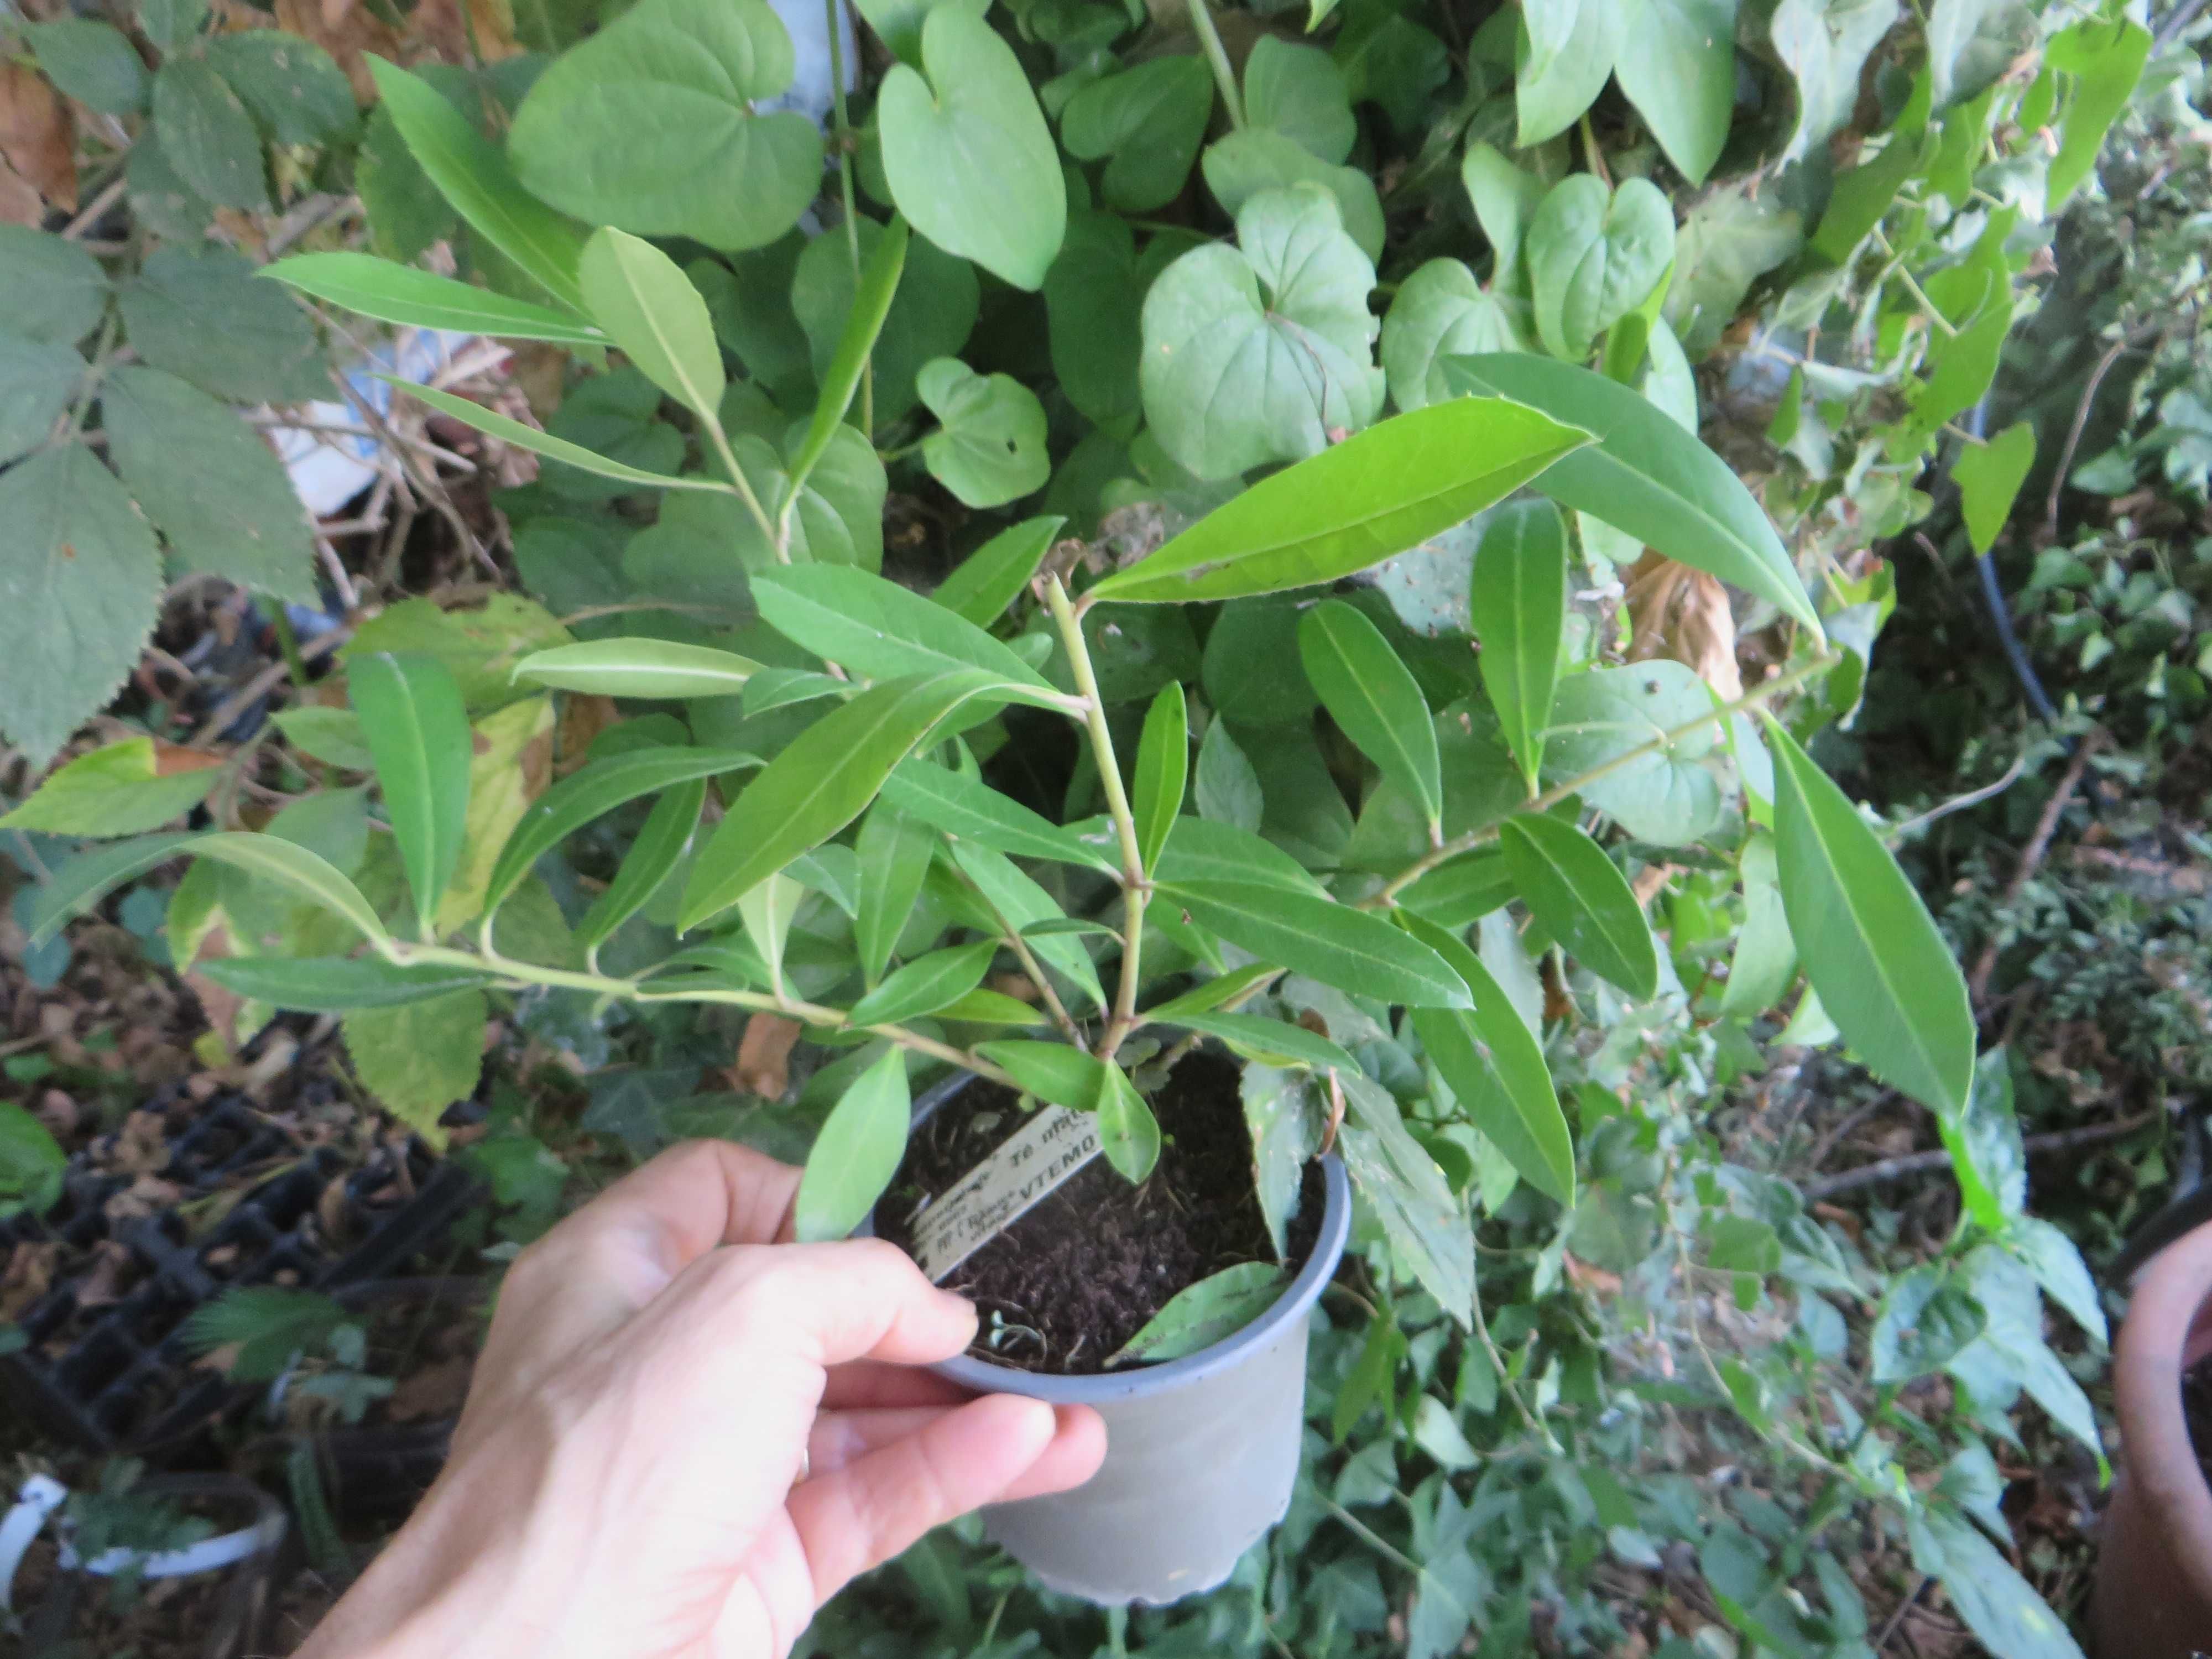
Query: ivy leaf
(2106,59)
(204,131)
(990,579)
(1824,44)
(967,154)
(820,783)
(1375,698)
(989,447)
(1150,120)
(649,307)
(199,314)
(1199,1315)
(1580,895)
(1298,91)
(1163,769)
(410,711)
(643,126)
(1517,608)
(220,499)
(79,594)
(1354,505)
(1333,943)
(1665,796)
(1646,476)
(1441,311)
(1594,256)
(1245,164)
(1561,60)
(473,175)
(856,1153)
(1677,65)
(1873,952)
(118,789)
(420,1057)
(38,378)
(1989,476)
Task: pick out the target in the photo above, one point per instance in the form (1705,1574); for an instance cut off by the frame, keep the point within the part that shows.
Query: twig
(267,680)
(1960,803)
(1893,1169)
(1828,1142)
(2032,855)
(2074,435)
(1897,1617)
(93,209)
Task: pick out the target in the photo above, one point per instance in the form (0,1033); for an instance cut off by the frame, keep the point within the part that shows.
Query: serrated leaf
(1199,1315)
(38,378)
(1356,504)
(1873,952)
(1409,1195)
(198,313)
(411,712)
(856,1153)
(56,290)
(204,131)
(92,62)
(420,1057)
(1580,895)
(1375,698)
(1163,769)
(298,93)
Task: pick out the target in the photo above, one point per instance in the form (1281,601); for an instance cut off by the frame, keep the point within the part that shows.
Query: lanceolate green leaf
(895,851)
(86,879)
(400,294)
(987,580)
(875,628)
(970,808)
(926,984)
(335,985)
(514,432)
(1516,602)
(820,783)
(417,728)
(639,668)
(1492,1062)
(1064,1076)
(871,303)
(1020,903)
(649,309)
(1128,1133)
(1645,475)
(1324,940)
(1377,701)
(1869,945)
(1417,1209)
(470,172)
(1202,850)
(855,1155)
(1270,1041)
(652,859)
(1388,489)
(595,790)
(1579,893)
(1163,769)
(1198,1317)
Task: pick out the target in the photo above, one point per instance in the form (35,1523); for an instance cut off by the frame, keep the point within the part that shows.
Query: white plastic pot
(1201,1452)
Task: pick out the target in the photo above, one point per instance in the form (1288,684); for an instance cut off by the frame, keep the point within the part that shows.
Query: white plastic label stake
(1004,1187)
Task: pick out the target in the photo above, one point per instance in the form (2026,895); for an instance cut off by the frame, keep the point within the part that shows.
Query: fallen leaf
(28,1276)
(172,758)
(142,1145)
(146,1197)
(1684,614)
(19,199)
(764,1065)
(582,719)
(36,135)
(464,31)
(103,1286)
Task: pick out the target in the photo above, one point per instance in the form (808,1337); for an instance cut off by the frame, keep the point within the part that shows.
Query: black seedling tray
(120,1377)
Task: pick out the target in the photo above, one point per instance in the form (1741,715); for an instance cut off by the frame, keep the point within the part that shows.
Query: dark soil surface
(1083,1271)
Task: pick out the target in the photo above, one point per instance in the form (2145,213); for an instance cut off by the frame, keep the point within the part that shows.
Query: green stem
(1216,55)
(1136,887)
(843,139)
(742,488)
(1368,1535)
(1551,796)
(1912,285)
(289,643)
(1030,965)
(1512,1390)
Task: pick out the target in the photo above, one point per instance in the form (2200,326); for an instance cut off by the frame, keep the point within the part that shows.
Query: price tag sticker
(1028,1167)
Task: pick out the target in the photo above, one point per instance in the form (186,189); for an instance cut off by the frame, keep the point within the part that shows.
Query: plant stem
(1551,796)
(630,990)
(1030,965)
(1369,1536)
(1216,55)
(1913,284)
(833,9)
(289,643)
(1136,887)
(1536,1424)
(742,488)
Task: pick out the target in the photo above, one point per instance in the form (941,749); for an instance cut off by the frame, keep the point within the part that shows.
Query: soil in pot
(1074,1280)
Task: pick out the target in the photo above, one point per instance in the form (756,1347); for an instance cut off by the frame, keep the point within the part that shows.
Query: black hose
(2000,615)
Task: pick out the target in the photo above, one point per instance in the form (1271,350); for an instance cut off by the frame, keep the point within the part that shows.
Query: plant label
(1003,1188)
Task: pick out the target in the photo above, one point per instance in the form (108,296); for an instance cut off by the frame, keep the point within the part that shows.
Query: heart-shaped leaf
(1149,119)
(1516,601)
(1244,164)
(1594,255)
(1441,311)
(1576,891)
(1298,91)
(648,124)
(1259,353)
(967,154)
(1677,65)
(1620,718)
(989,446)
(1562,56)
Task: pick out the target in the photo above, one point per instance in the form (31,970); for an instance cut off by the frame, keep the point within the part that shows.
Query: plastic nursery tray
(120,1377)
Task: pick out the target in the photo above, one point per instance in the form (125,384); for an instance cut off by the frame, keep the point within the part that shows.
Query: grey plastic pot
(1201,1452)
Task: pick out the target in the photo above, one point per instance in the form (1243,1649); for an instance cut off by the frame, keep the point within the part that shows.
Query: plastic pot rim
(1099,1387)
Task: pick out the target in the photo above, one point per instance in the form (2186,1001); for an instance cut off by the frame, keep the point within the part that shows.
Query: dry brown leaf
(764,1065)
(103,1286)
(582,718)
(460,33)
(171,758)
(29,1275)
(36,135)
(142,1145)
(1684,614)
(147,1196)
(19,199)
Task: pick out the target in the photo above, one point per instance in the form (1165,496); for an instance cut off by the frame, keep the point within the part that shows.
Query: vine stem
(1216,55)
(403,954)
(1136,888)
(741,487)
(1030,965)
(1551,796)
(833,10)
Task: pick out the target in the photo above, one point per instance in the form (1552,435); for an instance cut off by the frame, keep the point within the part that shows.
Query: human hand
(660,1373)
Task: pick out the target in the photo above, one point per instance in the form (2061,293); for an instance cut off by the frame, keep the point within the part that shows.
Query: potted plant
(828,833)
